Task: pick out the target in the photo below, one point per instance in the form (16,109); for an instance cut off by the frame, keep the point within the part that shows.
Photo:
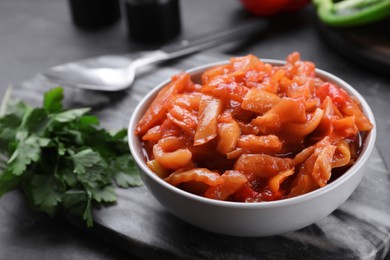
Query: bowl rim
(367,146)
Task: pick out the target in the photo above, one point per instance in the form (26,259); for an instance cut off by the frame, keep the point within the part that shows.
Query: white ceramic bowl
(252,219)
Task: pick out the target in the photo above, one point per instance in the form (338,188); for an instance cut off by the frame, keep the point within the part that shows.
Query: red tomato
(272,7)
(295,5)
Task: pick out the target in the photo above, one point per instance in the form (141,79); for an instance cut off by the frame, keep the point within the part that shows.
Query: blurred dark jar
(93,14)
(152,20)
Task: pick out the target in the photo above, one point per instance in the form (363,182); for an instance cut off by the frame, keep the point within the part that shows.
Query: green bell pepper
(352,12)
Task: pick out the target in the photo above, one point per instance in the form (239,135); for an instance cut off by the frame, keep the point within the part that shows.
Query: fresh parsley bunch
(60,158)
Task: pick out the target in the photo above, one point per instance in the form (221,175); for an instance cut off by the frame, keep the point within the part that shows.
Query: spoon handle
(186,47)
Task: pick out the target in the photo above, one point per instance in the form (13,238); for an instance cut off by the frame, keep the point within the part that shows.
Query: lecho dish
(252,131)
(280,135)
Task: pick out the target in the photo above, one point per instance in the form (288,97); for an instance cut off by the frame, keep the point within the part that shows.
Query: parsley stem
(4,102)
(3,162)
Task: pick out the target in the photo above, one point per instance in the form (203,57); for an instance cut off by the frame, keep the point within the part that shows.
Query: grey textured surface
(35,35)
(359,229)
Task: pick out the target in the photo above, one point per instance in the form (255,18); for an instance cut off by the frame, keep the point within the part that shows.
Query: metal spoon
(115,75)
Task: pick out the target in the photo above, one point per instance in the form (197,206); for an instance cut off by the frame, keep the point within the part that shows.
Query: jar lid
(93,14)
(152,20)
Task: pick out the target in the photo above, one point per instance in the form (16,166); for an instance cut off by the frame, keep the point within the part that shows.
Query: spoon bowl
(115,74)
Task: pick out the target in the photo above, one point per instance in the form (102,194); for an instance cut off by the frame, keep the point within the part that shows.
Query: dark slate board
(366,45)
(358,229)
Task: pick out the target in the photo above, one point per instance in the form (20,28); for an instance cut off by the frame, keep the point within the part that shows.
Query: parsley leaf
(105,194)
(125,173)
(86,160)
(70,115)
(28,150)
(8,182)
(61,159)
(45,193)
(52,101)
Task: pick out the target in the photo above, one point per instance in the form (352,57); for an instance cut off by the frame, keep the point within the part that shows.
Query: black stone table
(38,34)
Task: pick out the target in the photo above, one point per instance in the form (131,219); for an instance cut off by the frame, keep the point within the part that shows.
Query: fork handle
(186,47)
